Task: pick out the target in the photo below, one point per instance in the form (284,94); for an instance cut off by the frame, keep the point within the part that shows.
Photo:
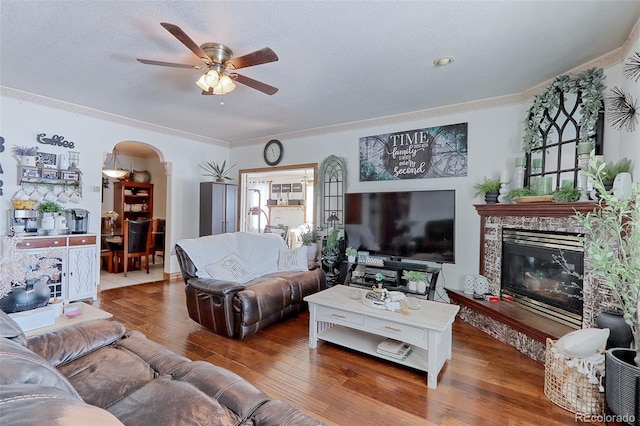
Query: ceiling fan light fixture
(225,85)
(212,78)
(201,83)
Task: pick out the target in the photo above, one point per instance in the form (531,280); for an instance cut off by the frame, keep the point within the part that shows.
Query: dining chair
(135,244)
(157,239)
(106,254)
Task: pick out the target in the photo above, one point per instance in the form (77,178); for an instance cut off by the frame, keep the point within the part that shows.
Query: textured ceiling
(340,62)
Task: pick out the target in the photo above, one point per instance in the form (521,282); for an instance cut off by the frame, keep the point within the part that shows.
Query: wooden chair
(135,244)
(157,239)
(106,254)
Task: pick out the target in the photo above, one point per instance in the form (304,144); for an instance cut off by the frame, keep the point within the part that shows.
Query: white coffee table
(89,313)
(346,322)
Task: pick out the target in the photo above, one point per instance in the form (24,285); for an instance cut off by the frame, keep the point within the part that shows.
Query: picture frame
(70,176)
(28,172)
(50,174)
(47,160)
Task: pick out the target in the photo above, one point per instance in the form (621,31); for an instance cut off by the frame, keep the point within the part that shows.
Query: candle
(536,163)
(504,176)
(584,148)
(521,161)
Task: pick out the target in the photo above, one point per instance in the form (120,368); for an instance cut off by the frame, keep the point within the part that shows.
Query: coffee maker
(26,218)
(77,220)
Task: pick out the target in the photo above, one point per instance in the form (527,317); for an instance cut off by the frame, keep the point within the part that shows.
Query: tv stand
(364,275)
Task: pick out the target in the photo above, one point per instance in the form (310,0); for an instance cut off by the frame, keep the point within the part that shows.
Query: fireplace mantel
(536,209)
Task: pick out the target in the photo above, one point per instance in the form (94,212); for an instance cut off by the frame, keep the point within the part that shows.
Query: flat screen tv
(406,225)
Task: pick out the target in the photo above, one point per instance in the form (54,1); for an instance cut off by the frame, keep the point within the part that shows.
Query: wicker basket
(570,389)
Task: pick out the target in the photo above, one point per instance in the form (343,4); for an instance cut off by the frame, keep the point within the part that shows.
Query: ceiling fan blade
(258,57)
(186,40)
(258,85)
(168,64)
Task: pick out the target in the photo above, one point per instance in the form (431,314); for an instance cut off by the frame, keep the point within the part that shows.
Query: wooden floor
(485,383)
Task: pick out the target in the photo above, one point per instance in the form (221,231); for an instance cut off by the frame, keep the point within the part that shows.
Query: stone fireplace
(512,323)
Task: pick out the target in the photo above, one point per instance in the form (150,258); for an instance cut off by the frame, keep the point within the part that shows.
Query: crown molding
(106,116)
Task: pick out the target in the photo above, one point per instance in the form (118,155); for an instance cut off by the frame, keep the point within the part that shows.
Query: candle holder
(583,163)
(504,190)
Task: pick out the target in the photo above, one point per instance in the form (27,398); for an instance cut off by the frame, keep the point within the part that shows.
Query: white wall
(493,143)
(22,120)
(494,140)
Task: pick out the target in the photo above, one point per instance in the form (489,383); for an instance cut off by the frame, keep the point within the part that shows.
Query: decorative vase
(491,197)
(413,285)
(28,160)
(34,294)
(351,259)
(620,335)
(622,383)
(421,286)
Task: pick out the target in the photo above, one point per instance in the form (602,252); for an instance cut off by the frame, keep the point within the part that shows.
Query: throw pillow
(293,259)
(582,343)
(229,268)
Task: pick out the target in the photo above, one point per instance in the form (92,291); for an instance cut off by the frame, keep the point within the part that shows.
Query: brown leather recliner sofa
(238,283)
(97,373)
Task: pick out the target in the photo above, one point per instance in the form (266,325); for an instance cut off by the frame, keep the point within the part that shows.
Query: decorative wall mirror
(332,177)
(564,121)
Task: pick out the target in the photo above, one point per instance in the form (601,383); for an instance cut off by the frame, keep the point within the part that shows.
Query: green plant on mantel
(611,169)
(218,171)
(566,194)
(519,192)
(487,185)
(612,242)
(588,83)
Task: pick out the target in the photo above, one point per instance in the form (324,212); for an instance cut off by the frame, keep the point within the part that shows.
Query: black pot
(620,335)
(622,384)
(35,294)
(491,197)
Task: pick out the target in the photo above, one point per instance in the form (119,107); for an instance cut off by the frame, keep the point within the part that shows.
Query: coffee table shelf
(367,343)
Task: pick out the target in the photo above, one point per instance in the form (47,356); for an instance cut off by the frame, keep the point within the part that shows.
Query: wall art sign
(54,140)
(431,152)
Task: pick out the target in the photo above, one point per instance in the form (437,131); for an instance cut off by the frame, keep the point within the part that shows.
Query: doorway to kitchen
(278,199)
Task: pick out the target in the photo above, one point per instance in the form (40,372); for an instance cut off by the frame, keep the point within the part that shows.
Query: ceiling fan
(220,64)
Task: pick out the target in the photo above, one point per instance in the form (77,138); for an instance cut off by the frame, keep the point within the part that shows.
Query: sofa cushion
(21,366)
(259,252)
(230,268)
(293,259)
(44,405)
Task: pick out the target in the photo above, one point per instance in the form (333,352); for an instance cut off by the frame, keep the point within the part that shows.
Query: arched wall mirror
(332,182)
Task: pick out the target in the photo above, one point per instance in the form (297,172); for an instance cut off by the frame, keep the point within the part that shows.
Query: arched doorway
(135,157)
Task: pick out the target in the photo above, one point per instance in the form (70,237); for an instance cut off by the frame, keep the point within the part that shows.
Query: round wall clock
(273,152)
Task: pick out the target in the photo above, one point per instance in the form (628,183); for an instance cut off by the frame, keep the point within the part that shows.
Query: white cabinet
(78,257)
(81,272)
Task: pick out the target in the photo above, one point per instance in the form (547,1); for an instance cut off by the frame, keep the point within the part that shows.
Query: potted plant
(351,254)
(24,276)
(309,238)
(27,154)
(416,280)
(517,193)
(612,243)
(48,210)
(217,171)
(566,194)
(490,189)
(610,170)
